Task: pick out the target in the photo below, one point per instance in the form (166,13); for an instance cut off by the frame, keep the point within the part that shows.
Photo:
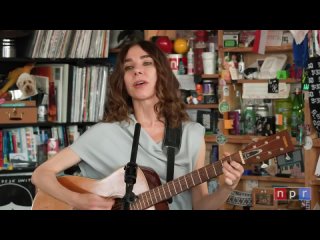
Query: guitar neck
(181,184)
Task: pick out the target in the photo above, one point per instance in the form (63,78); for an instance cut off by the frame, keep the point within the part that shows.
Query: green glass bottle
(297,113)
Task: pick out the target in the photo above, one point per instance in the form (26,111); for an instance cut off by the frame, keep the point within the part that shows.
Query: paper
(186,82)
(260,91)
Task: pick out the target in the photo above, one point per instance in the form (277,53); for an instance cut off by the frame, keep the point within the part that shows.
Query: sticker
(273,86)
(225,91)
(221,139)
(308,143)
(224,107)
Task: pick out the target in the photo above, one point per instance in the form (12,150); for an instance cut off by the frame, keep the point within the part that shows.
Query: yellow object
(13,77)
(180,46)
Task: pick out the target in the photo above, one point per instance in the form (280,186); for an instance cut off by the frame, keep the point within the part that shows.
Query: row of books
(70,44)
(27,146)
(89,93)
(79,92)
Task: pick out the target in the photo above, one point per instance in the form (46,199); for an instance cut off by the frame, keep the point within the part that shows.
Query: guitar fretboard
(181,184)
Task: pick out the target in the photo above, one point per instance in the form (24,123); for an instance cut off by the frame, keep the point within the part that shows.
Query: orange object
(180,46)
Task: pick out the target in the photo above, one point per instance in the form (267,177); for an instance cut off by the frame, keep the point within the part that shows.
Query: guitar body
(111,186)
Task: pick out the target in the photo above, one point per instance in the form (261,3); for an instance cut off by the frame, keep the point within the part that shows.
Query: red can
(53,145)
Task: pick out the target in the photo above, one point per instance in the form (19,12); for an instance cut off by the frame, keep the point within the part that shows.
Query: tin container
(8,48)
(42,113)
(208,87)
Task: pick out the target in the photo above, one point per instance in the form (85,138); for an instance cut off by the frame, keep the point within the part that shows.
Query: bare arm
(200,197)
(44,177)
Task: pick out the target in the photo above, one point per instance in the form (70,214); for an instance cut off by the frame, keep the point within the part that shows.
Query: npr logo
(292,193)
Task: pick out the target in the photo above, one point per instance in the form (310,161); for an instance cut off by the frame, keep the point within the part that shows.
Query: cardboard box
(16,112)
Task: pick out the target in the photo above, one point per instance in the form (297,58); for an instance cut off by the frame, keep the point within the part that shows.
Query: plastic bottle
(296,114)
(200,47)
(283,108)
(241,65)
(190,57)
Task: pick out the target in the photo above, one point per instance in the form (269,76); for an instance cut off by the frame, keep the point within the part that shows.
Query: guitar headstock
(268,147)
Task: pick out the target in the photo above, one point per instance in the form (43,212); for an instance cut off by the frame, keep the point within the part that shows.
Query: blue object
(300,53)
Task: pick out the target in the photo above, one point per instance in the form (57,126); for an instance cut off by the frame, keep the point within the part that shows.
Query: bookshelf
(62,48)
(237,142)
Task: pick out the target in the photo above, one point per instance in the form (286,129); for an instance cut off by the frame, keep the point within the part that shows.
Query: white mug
(174,60)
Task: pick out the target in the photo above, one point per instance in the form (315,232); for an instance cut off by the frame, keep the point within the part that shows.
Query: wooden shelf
(289,80)
(315,182)
(46,124)
(210,76)
(78,61)
(242,139)
(201,106)
(269,49)
(114,50)
(273,179)
(210,139)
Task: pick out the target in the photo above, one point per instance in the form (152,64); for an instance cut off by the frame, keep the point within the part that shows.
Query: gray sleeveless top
(106,147)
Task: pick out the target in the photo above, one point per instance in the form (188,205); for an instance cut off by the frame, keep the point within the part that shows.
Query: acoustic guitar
(149,192)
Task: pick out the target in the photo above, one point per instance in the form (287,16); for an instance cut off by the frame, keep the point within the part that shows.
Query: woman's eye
(147,63)
(127,68)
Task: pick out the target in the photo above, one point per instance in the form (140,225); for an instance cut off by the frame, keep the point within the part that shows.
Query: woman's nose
(137,72)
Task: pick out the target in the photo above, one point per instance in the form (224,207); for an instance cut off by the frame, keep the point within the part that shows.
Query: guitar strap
(171,146)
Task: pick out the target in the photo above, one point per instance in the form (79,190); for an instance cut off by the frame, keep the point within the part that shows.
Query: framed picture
(263,198)
(291,163)
(208,119)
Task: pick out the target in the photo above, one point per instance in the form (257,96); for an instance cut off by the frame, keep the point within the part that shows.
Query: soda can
(53,147)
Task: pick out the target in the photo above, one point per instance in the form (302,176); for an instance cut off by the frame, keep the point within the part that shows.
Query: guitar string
(188,177)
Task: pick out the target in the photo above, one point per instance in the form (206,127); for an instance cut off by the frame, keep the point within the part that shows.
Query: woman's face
(140,74)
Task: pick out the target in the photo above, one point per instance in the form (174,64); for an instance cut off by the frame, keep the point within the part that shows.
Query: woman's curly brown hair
(170,106)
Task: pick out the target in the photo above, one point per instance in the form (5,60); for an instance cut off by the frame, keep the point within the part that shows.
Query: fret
(159,193)
(192,180)
(174,186)
(151,198)
(215,172)
(185,178)
(199,176)
(164,192)
(146,197)
(169,190)
(206,173)
(141,202)
(179,184)
(155,194)
(210,171)
(144,203)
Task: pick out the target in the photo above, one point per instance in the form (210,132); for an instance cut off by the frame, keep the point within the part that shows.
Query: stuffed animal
(13,77)
(27,85)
